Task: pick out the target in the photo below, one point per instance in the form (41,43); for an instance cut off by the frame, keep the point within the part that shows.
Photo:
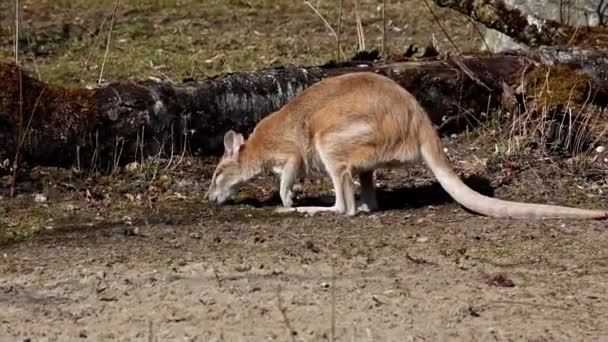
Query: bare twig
(360,34)
(573,35)
(93,47)
(105,57)
(220,283)
(383,26)
(117,154)
(151,337)
(29,121)
(17,32)
(331,29)
(339,48)
(483,39)
(15,166)
(332,334)
(283,311)
(445,32)
(469,72)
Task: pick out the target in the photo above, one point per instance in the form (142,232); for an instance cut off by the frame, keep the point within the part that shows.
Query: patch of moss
(557,85)
(589,37)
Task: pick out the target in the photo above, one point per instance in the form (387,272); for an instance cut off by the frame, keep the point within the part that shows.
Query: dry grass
(187,38)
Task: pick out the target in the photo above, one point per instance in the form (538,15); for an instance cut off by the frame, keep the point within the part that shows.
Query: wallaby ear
(233,142)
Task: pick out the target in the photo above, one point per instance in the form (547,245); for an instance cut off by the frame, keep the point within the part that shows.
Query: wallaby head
(230,171)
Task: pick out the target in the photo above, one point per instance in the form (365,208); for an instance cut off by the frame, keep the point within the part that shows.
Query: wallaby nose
(210,198)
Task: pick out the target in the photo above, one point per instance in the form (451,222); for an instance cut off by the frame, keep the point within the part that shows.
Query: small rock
(500,280)
(131,231)
(40,198)
(195,236)
(311,246)
(473,311)
(600,149)
(206,300)
(243,268)
(422,239)
(325,285)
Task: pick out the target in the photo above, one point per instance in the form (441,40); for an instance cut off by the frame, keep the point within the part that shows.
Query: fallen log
(526,28)
(122,121)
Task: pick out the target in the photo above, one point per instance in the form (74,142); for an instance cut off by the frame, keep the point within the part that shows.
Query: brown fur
(348,126)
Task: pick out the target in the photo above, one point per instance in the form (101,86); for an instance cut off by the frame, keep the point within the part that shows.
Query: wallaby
(346,126)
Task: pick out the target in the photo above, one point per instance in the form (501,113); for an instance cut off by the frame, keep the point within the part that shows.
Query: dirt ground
(138,255)
(171,267)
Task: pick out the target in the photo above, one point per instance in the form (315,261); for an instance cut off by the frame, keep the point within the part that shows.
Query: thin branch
(93,46)
(105,57)
(17,32)
(469,72)
(283,311)
(326,23)
(29,121)
(445,32)
(383,26)
(339,49)
(332,334)
(483,39)
(360,34)
(15,166)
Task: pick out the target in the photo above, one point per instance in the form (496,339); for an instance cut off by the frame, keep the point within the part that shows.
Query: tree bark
(527,28)
(122,121)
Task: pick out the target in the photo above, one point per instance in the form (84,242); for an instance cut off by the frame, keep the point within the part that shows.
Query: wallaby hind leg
(348,194)
(369,199)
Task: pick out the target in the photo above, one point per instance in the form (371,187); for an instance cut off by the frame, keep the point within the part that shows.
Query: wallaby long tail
(435,158)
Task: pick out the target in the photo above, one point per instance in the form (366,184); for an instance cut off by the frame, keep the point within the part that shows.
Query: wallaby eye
(218,176)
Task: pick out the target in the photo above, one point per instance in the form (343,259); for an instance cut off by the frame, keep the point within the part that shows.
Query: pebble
(40,198)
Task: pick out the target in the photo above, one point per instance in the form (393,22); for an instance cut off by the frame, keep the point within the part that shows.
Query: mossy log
(121,121)
(526,28)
